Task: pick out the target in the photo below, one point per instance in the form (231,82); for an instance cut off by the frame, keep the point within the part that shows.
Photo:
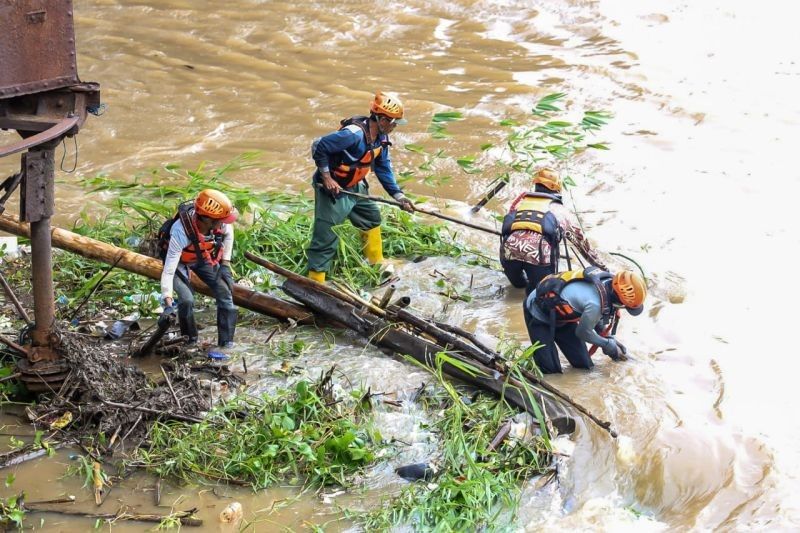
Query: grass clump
(299,435)
(274,225)
(478,488)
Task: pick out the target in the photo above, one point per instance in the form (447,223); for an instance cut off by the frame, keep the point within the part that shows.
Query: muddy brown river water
(700,187)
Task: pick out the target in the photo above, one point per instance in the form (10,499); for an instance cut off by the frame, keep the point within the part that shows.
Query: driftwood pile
(399,331)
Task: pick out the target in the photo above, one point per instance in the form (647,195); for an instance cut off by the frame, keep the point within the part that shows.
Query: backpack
(542,222)
(162,237)
(549,299)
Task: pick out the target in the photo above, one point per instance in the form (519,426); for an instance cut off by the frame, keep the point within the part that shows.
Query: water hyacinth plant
(295,435)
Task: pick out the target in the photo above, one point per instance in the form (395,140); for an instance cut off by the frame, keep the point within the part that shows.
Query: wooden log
(151,268)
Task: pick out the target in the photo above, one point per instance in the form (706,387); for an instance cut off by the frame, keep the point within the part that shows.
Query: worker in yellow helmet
(343,159)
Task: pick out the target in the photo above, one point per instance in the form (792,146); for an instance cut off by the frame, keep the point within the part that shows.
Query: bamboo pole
(151,268)
(423,211)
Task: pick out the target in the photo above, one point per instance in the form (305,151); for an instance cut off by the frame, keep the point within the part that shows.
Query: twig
(10,377)
(13,345)
(131,430)
(96,286)
(169,384)
(176,416)
(187,518)
(13,297)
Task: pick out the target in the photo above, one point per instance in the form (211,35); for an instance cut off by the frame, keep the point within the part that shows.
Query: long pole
(423,211)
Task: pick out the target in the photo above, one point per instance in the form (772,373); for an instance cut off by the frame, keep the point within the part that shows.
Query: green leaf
(598,146)
(10,479)
(447,116)
(416,148)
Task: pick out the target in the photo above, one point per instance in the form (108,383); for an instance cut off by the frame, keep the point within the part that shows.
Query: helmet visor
(635,311)
(230,218)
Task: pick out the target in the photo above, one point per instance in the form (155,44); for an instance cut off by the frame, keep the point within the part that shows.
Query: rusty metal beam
(33,141)
(37,44)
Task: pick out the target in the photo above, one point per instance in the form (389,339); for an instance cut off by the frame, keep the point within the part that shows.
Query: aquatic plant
(478,485)
(300,436)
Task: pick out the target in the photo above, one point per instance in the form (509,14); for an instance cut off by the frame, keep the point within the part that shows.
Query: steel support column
(37,207)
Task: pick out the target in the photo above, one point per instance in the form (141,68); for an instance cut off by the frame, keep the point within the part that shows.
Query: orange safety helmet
(548,178)
(391,106)
(214,204)
(630,288)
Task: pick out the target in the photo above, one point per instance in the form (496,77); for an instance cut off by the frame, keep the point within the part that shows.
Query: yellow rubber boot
(373,245)
(316,276)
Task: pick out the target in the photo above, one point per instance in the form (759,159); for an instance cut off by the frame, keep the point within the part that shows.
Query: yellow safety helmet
(214,204)
(630,288)
(548,178)
(391,106)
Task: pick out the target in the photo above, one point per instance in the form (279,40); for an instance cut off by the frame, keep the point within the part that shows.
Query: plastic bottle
(231,514)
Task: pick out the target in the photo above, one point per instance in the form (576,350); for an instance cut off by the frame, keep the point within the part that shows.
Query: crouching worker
(533,229)
(567,309)
(199,239)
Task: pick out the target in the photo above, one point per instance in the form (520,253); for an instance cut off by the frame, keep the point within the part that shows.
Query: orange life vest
(203,249)
(347,175)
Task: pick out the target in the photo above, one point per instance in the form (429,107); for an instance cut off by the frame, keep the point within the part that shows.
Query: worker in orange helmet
(566,308)
(199,239)
(343,159)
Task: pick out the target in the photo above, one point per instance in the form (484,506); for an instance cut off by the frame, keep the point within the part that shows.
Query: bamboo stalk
(308,282)
(489,195)
(169,384)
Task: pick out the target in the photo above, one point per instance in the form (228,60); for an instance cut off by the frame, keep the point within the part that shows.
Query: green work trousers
(364,214)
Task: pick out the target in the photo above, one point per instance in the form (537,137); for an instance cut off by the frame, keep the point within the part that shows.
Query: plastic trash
(231,514)
(217,356)
(9,247)
(415,472)
(62,300)
(117,330)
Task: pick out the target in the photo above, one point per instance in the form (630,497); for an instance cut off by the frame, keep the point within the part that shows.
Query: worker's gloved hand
(169,312)
(405,203)
(613,349)
(623,351)
(330,186)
